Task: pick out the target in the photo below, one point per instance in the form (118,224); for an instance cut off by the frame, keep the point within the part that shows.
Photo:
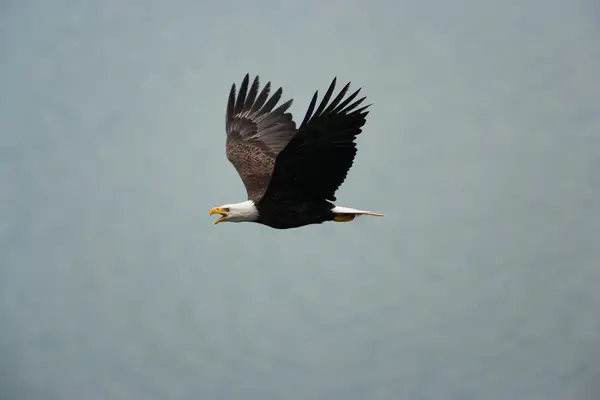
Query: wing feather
(256,133)
(316,161)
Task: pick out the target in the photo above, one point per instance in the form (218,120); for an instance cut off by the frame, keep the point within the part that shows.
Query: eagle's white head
(245,211)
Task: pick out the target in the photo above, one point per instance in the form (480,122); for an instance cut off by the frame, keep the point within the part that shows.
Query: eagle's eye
(226,209)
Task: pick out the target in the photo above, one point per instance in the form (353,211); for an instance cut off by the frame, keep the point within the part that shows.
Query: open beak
(218,210)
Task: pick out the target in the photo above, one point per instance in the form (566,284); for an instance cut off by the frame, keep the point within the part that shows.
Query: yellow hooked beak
(219,210)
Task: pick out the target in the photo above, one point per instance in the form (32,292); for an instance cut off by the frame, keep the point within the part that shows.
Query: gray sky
(482,148)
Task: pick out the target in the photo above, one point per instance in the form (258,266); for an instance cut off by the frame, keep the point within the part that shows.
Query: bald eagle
(290,174)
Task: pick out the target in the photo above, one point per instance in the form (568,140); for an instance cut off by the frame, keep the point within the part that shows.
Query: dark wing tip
(230,106)
(338,105)
(257,115)
(241,99)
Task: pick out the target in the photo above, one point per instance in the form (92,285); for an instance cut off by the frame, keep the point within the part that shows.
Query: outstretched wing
(316,161)
(256,133)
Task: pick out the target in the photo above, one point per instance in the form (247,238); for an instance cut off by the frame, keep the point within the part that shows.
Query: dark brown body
(286,214)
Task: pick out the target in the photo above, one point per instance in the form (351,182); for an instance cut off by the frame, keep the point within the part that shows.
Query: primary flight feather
(291,174)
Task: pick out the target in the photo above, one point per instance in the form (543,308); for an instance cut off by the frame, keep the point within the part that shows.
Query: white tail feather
(347,210)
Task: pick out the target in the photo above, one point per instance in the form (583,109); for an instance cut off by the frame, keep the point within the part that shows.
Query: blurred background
(482,148)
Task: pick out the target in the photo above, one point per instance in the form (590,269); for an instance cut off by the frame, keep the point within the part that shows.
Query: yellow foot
(344,218)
